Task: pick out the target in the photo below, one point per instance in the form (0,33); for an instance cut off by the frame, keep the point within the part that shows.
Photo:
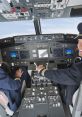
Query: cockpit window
(0,1)
(60,25)
(15,28)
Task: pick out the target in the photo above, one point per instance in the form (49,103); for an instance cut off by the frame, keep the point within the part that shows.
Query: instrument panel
(46,47)
(41,100)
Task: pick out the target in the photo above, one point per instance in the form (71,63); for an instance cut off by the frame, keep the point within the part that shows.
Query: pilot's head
(79,37)
(18,72)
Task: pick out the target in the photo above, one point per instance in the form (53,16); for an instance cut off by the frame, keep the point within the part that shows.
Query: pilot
(25,77)
(10,87)
(17,96)
(70,77)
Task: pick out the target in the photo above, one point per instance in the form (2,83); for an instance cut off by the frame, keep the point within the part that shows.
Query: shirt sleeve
(15,84)
(8,83)
(69,76)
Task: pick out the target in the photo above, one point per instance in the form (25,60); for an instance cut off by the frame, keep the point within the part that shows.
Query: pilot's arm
(69,76)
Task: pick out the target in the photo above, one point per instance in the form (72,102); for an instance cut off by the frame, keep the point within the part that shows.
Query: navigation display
(68,51)
(24,54)
(13,54)
(58,52)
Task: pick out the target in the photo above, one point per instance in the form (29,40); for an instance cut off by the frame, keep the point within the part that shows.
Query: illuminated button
(33,93)
(55,88)
(31,106)
(54,99)
(39,99)
(56,92)
(53,105)
(44,93)
(33,89)
(41,92)
(12,64)
(70,60)
(59,104)
(29,101)
(43,99)
(41,88)
(27,106)
(56,105)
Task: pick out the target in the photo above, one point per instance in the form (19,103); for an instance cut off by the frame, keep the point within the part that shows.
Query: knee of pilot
(4,103)
(3,99)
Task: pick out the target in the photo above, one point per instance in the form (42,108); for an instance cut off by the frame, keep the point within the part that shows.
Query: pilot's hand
(40,68)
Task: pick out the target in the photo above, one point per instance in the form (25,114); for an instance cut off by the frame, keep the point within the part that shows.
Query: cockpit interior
(36,32)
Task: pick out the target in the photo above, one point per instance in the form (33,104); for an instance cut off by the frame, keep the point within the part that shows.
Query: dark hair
(79,27)
(14,69)
(6,68)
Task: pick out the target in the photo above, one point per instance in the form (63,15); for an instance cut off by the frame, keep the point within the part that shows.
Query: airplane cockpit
(41,32)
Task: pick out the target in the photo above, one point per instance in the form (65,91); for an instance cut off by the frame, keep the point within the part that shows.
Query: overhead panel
(74,2)
(4,6)
(2,18)
(30,9)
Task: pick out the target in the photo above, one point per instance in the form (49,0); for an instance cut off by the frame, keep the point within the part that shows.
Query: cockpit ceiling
(12,10)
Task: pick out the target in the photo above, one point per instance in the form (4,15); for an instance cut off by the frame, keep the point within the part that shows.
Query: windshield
(57,25)
(60,25)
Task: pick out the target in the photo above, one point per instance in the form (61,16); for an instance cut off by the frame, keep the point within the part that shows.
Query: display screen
(68,51)
(58,52)
(42,53)
(13,54)
(24,54)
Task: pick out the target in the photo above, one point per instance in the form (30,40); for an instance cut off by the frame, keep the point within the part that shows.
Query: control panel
(42,100)
(51,48)
(29,9)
